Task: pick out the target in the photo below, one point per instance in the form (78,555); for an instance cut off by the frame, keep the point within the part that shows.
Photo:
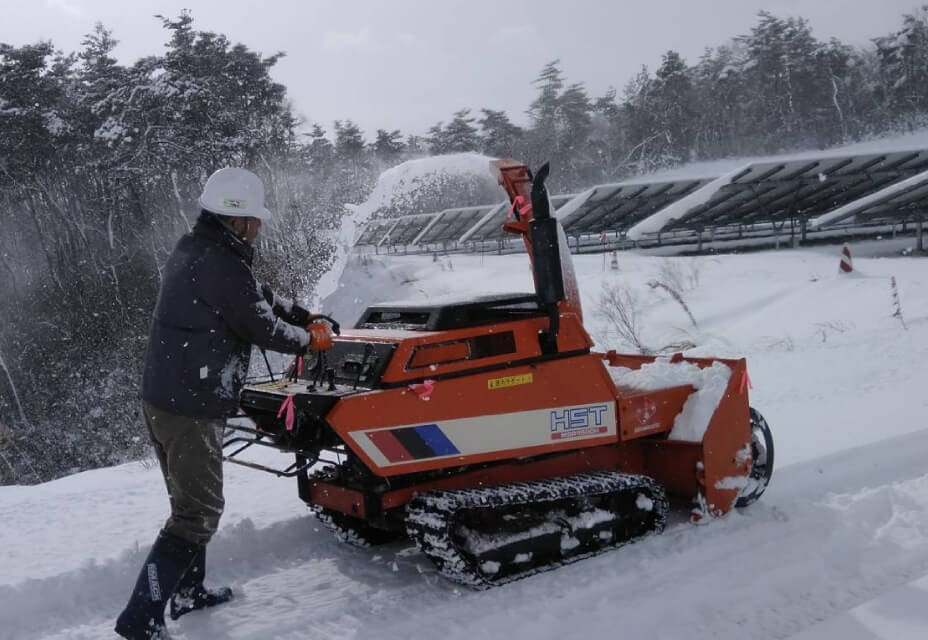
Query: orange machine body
(509,410)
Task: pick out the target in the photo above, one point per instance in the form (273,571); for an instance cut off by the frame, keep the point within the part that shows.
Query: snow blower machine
(489,432)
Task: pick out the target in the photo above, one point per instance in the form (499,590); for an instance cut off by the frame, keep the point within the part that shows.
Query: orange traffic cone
(614,265)
(846,264)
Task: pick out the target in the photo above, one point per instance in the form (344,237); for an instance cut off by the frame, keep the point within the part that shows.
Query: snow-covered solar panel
(408,228)
(904,200)
(491,227)
(374,231)
(904,206)
(617,207)
(776,191)
(452,224)
(560,200)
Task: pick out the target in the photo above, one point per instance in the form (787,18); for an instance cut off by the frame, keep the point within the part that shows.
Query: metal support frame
(252,437)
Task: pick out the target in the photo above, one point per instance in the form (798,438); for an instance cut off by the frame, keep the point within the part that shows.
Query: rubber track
(348,535)
(354,536)
(430,517)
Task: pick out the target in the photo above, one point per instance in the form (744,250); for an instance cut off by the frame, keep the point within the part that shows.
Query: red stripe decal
(389,446)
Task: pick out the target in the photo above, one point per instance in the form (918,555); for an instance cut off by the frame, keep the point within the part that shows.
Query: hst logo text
(579,421)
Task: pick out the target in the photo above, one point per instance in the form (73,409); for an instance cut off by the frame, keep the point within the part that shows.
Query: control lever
(368,351)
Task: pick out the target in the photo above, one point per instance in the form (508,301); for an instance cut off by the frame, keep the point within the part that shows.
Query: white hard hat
(234,192)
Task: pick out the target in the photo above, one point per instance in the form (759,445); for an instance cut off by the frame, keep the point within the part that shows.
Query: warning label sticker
(509,381)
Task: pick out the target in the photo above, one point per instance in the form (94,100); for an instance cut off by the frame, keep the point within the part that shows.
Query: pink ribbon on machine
(286,409)
(299,366)
(519,202)
(423,389)
(745,382)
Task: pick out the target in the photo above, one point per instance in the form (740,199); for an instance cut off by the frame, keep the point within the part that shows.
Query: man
(210,311)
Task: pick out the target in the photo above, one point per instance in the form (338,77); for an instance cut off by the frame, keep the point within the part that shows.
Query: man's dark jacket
(210,312)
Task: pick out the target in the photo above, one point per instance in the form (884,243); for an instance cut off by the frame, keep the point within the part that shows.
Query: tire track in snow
(795,558)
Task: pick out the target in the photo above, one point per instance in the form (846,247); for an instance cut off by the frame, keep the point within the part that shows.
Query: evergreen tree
(542,139)
(903,59)
(642,124)
(673,101)
(790,86)
(319,153)
(544,107)
(353,167)
(30,95)
(414,146)
(500,138)
(437,139)
(574,123)
(349,142)
(388,146)
(461,134)
(608,135)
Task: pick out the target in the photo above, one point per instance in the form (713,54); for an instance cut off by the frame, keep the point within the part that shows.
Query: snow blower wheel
(762,455)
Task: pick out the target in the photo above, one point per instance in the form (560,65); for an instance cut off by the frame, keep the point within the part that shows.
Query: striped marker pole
(846,264)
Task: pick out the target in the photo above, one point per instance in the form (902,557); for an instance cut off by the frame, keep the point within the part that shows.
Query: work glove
(299,316)
(320,336)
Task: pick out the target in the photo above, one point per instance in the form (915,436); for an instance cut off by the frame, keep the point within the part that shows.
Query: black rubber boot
(143,617)
(191,595)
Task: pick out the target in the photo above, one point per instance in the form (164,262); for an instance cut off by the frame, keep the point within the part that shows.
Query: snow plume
(709,384)
(397,188)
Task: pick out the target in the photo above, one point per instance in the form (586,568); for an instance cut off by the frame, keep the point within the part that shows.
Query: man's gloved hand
(299,316)
(320,336)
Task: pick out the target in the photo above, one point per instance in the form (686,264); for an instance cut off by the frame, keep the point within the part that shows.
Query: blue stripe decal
(436,440)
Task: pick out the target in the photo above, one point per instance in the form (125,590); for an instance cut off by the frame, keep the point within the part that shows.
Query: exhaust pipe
(549,279)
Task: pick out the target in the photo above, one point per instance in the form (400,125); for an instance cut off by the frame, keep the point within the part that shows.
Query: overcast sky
(407,64)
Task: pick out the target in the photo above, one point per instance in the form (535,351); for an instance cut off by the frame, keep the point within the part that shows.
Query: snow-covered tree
(500,138)
(388,145)
(461,134)
(903,59)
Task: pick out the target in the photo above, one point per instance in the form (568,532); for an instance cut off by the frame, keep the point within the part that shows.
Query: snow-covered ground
(836,548)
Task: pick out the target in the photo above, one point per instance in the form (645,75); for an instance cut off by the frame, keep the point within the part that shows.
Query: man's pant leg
(189,451)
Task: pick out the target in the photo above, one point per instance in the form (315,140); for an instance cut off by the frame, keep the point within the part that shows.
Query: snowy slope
(836,544)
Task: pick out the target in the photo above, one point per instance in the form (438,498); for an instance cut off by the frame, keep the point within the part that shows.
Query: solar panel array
(910,204)
(904,200)
(452,224)
(617,207)
(774,192)
(374,231)
(491,228)
(762,193)
(408,228)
